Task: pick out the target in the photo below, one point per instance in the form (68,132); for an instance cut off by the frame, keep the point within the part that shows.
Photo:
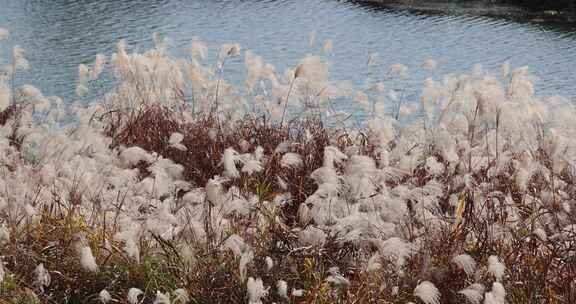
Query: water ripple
(61,34)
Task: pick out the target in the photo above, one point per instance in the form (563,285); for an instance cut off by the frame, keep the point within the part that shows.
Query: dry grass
(534,275)
(206,140)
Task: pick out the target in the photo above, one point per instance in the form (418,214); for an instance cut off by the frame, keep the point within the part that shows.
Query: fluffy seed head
(104,296)
(83,73)
(43,278)
(4,234)
(161,298)
(328,46)
(430,64)
(229,160)
(2,272)
(427,292)
(256,291)
(87,259)
(180,296)
(291,160)
(198,49)
(98,66)
(312,38)
(497,295)
(399,69)
(133,155)
(4,33)
(465,262)
(495,267)
(175,141)
(282,288)
(269,263)
(133,294)
(473,295)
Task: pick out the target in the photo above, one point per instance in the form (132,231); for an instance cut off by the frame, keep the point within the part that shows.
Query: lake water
(58,35)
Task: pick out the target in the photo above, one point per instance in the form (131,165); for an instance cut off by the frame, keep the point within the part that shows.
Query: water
(58,35)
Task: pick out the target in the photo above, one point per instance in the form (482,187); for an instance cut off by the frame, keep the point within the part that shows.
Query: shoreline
(550,13)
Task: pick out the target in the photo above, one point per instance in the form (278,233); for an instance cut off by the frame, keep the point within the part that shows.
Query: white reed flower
(291,160)
(312,38)
(281,183)
(539,232)
(269,263)
(214,192)
(252,163)
(20,62)
(430,64)
(312,236)
(5,96)
(465,262)
(244,145)
(198,49)
(175,141)
(4,33)
(333,155)
(236,244)
(399,69)
(83,73)
(314,70)
(87,259)
(4,233)
(133,155)
(363,100)
(81,90)
(434,167)
(472,294)
(245,258)
(505,69)
(130,235)
(304,215)
(469,181)
(43,278)
(2,272)
(497,295)
(256,291)
(162,298)
(282,288)
(378,87)
(477,69)
(427,292)
(99,63)
(133,294)
(328,46)
(374,263)
(298,292)
(104,296)
(336,278)
(181,296)
(282,147)
(495,267)
(397,248)
(230,159)
(30,91)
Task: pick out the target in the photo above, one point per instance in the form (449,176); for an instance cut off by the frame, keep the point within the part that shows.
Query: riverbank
(558,12)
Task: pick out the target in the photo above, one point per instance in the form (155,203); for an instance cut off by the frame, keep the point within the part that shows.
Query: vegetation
(179,187)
